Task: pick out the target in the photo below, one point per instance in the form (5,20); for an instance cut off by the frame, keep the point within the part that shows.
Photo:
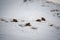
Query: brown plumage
(27,24)
(43,19)
(38,20)
(14,20)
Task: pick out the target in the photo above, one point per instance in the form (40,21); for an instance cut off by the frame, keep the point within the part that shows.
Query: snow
(55,1)
(29,12)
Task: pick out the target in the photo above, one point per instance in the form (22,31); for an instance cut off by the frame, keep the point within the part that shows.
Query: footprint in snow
(3,20)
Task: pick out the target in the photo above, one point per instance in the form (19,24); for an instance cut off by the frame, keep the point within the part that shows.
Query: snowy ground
(29,12)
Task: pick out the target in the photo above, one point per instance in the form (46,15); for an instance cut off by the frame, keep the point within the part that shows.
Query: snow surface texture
(29,11)
(55,1)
